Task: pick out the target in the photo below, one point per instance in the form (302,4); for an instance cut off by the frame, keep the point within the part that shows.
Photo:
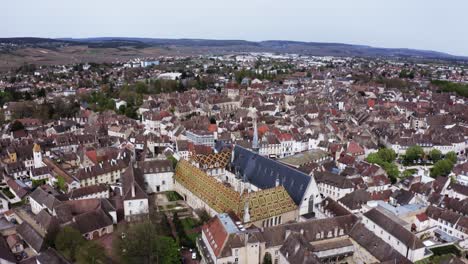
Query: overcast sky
(421,24)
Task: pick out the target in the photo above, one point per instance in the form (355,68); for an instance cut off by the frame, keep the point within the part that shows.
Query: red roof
(422,217)
(371,103)
(285,137)
(212,128)
(354,148)
(215,234)
(346,159)
(262,129)
(92,155)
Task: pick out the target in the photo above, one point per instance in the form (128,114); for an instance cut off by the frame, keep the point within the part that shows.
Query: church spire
(253,114)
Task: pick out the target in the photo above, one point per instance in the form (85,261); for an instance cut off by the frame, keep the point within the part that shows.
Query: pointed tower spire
(253,114)
(246,218)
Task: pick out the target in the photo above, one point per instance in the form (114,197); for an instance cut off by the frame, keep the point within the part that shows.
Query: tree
(374,158)
(16,125)
(68,241)
(442,168)
(60,183)
(267,258)
(435,155)
(92,253)
(141,243)
(41,93)
(414,153)
(392,171)
(212,120)
(204,216)
(387,155)
(452,156)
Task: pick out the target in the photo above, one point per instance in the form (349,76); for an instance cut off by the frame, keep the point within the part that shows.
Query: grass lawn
(173,196)
(188,223)
(435,259)
(8,193)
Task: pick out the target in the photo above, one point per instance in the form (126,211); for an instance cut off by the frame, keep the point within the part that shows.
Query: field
(81,54)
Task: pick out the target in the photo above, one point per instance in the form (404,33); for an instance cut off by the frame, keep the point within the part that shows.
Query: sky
(418,24)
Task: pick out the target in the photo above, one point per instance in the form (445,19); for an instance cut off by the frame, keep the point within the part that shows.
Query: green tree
(267,258)
(442,168)
(374,158)
(414,153)
(60,183)
(435,155)
(91,253)
(452,156)
(16,125)
(141,243)
(68,241)
(212,120)
(204,216)
(392,171)
(387,155)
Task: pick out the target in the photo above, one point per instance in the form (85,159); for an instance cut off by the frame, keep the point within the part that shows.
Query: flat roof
(302,158)
(228,224)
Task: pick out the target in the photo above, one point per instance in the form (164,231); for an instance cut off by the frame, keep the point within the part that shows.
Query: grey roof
(31,236)
(5,252)
(51,256)
(297,250)
(44,198)
(376,246)
(263,172)
(392,227)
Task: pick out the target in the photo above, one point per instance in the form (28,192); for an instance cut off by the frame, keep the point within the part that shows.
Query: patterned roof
(262,204)
(218,196)
(267,203)
(214,160)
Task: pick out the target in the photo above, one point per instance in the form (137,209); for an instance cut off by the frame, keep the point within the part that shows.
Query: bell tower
(37,156)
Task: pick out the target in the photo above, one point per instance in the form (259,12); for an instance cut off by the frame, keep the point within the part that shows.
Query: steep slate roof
(44,198)
(51,256)
(296,250)
(88,190)
(5,252)
(327,228)
(263,172)
(376,246)
(32,238)
(392,227)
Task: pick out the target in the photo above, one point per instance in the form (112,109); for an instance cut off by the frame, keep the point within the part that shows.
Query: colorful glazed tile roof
(267,203)
(210,161)
(262,204)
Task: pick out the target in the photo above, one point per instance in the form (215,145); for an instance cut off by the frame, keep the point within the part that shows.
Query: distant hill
(300,47)
(16,51)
